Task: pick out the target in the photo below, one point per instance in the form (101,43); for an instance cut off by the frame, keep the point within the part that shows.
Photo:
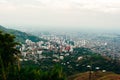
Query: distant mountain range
(21,36)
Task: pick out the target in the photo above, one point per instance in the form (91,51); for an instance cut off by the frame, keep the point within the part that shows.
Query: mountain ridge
(21,36)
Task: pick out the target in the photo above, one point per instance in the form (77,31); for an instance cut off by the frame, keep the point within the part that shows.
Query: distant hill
(21,36)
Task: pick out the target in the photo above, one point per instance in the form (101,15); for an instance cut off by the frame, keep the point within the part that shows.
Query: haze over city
(59,39)
(61,15)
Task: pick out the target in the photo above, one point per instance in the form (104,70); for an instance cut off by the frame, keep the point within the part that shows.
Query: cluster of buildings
(105,44)
(63,45)
(35,50)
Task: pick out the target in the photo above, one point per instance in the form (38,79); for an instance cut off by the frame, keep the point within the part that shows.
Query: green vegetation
(10,68)
(30,73)
(21,36)
(71,65)
(8,54)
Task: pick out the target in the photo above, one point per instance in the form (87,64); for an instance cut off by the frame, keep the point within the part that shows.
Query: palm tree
(8,53)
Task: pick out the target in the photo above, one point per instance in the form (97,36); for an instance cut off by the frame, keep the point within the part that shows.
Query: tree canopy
(10,67)
(8,53)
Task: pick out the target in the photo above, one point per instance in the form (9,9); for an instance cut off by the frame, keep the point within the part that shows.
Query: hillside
(21,36)
(95,76)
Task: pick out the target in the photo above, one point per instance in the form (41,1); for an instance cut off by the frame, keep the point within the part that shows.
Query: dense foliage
(71,65)
(8,54)
(21,36)
(10,66)
(30,73)
(12,69)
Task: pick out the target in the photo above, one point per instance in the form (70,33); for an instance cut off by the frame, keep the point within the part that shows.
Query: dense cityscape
(104,44)
(73,54)
(59,39)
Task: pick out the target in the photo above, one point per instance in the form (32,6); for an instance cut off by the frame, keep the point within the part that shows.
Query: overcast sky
(60,14)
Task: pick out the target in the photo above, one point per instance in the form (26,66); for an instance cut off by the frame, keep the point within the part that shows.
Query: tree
(8,53)
(9,69)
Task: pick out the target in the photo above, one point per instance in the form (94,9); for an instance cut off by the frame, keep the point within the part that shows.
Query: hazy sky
(60,14)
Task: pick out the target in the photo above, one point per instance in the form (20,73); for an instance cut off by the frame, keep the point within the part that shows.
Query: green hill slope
(21,36)
(95,76)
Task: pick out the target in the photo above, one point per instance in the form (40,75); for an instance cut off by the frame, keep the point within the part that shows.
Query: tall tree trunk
(3,69)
